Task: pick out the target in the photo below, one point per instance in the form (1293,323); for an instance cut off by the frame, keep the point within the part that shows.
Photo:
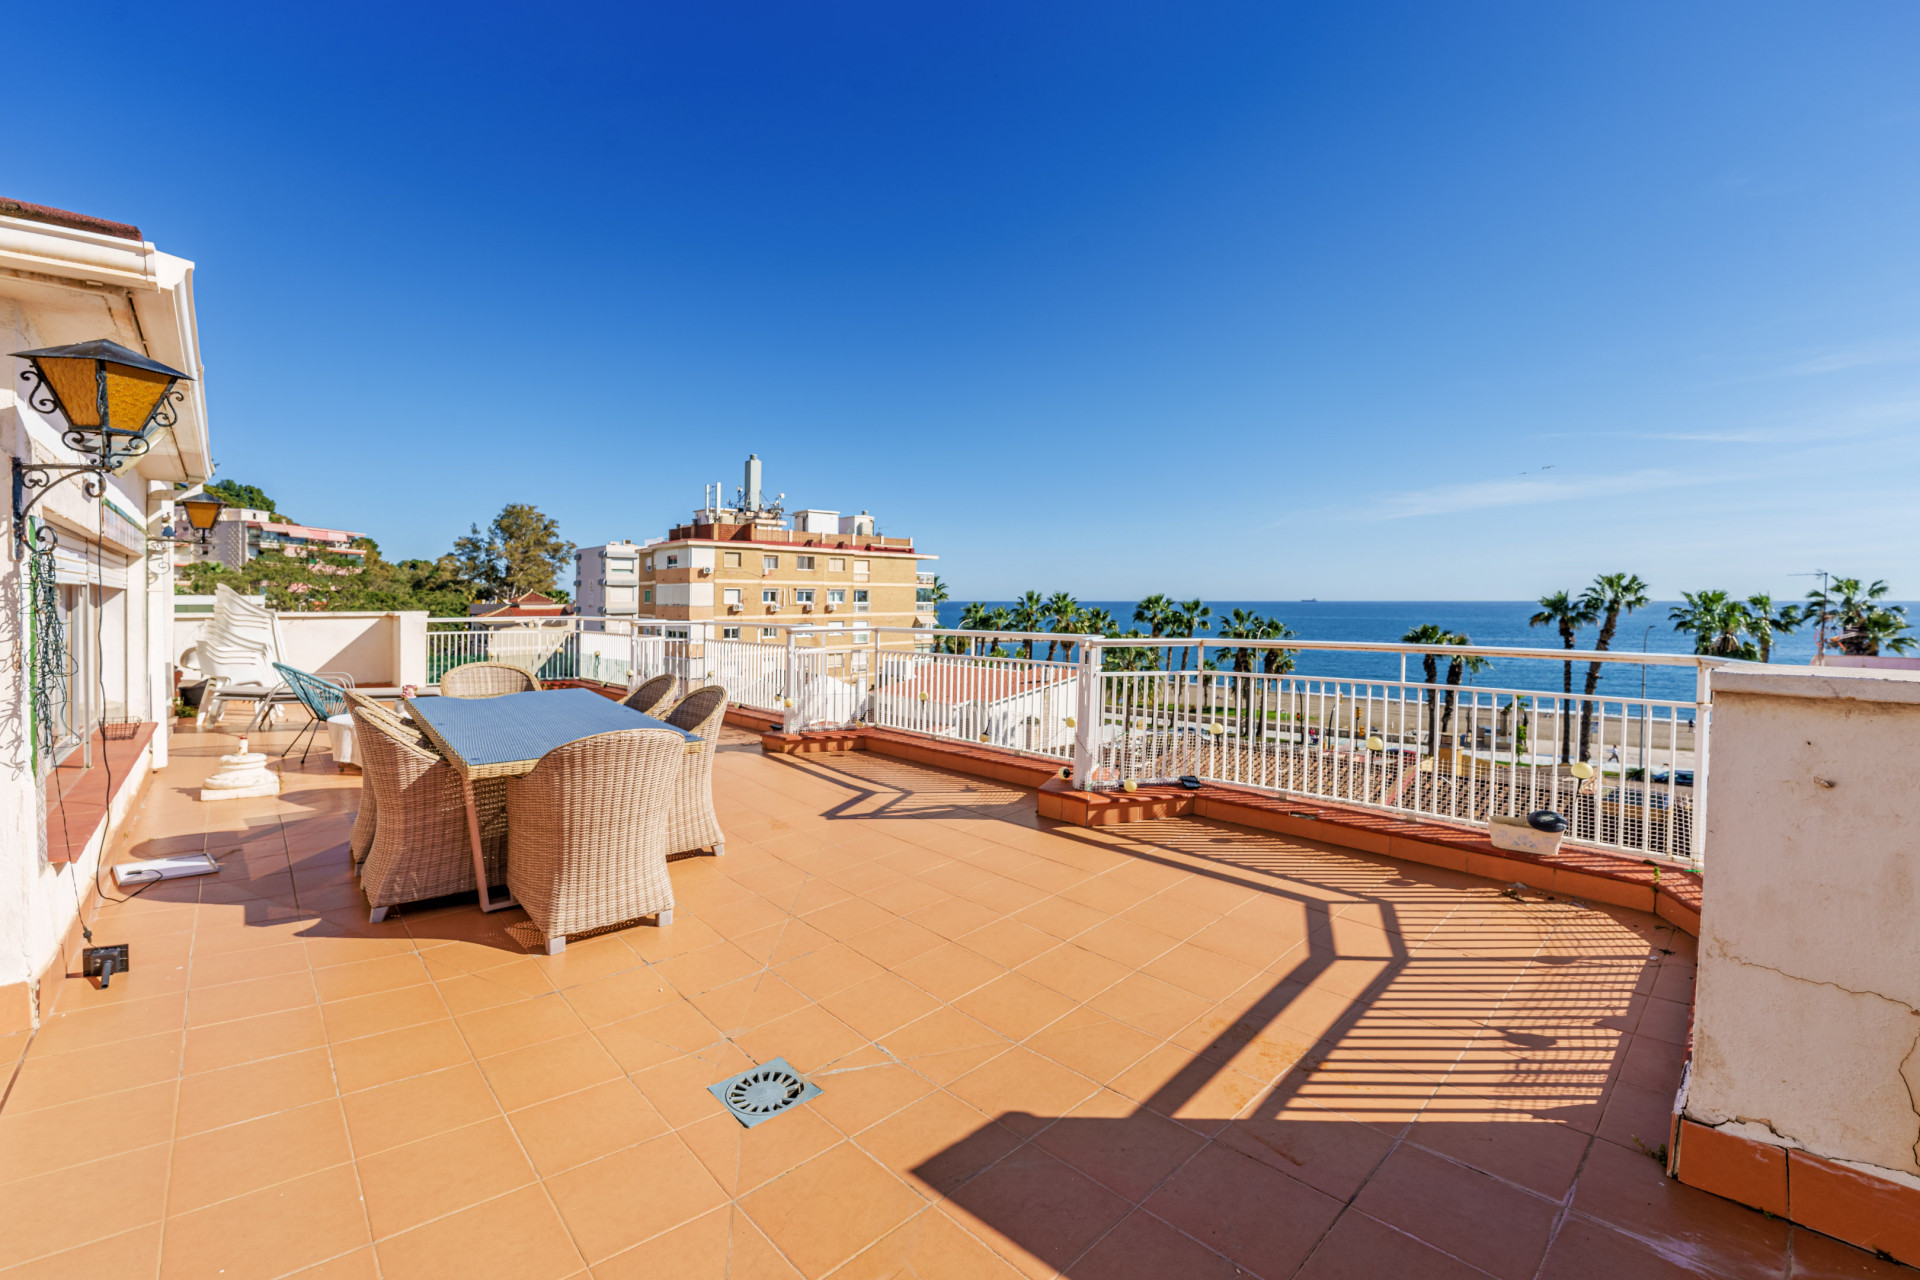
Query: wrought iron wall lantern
(202,511)
(114,400)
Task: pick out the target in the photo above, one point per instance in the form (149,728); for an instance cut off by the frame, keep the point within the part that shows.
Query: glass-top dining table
(505,737)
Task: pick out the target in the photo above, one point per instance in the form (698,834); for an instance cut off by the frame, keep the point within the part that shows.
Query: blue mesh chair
(321,698)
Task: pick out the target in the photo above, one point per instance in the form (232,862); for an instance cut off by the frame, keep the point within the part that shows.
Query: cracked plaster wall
(1807,1010)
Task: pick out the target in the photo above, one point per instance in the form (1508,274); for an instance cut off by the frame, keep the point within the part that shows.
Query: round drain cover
(764,1091)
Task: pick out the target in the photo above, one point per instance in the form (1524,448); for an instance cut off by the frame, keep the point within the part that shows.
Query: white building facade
(87,642)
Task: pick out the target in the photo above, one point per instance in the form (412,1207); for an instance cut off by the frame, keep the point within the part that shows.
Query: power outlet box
(95,961)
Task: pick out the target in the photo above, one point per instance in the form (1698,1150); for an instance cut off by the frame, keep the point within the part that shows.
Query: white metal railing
(1627,772)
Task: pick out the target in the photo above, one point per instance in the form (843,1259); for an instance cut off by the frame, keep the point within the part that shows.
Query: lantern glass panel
(202,513)
(74,386)
(132,394)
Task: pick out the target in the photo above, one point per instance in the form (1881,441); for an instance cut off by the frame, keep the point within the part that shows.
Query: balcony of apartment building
(1252,993)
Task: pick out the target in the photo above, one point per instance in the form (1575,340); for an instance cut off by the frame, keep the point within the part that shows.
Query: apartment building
(744,571)
(243,534)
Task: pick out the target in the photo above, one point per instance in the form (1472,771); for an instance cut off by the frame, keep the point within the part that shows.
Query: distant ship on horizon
(1311,600)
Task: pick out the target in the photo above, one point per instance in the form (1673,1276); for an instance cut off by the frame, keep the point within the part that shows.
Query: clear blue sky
(1245,301)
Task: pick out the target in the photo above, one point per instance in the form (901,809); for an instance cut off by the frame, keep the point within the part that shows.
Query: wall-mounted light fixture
(112,399)
(202,511)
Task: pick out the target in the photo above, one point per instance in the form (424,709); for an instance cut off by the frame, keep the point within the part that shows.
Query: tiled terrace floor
(1177,1050)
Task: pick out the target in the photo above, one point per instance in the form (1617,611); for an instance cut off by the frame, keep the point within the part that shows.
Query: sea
(1489,622)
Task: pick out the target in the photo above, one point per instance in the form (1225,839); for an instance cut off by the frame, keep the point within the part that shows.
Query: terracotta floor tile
(577,1127)
(1462,1212)
(928,1246)
(619,995)
(808,1039)
(1155,1007)
(698,1250)
(1541,1157)
(1008,942)
(416,1183)
(1074,972)
(1023,1090)
(940,1141)
(895,942)
(1631,1192)
(245,966)
(949,971)
(420,1106)
(34,1143)
(1014,1005)
(51,1079)
(232,1161)
(270,1035)
(741,1159)
(707,968)
(1263,1220)
(365,977)
(86,1028)
(35,1227)
(518,1236)
(830,1208)
(1141,1247)
(395,1055)
(515,1026)
(268,1232)
(633,1048)
(1092,1044)
(548,1070)
(953,917)
(131,1253)
(1361,1248)
(878,1005)
(361,1264)
(751,1002)
(819,974)
(1036,1211)
(677,1089)
(383,1011)
(1328,1152)
(613,1204)
(233,1094)
(854,1098)
(1585,1250)
(678,1024)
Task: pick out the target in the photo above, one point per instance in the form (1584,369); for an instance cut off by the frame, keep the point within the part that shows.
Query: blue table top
(496,734)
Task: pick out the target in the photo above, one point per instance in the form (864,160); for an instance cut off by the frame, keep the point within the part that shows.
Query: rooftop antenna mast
(1820,646)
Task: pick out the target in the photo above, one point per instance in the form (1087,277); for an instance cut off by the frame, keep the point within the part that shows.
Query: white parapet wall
(374,647)
(1807,1013)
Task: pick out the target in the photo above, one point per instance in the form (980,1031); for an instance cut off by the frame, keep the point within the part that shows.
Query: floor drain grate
(763,1092)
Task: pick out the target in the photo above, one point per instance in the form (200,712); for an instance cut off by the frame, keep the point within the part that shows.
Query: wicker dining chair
(421,848)
(652,695)
(587,833)
(694,824)
(364,822)
(486,680)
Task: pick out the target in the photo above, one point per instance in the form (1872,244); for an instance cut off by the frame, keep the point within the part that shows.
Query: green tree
(1611,595)
(235,494)
(1029,614)
(1764,621)
(521,551)
(1456,667)
(1190,618)
(1429,633)
(1718,623)
(1156,612)
(1063,615)
(1568,613)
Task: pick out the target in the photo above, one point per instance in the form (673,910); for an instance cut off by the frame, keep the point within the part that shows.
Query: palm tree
(1569,615)
(974,617)
(1865,625)
(1718,622)
(1611,595)
(1431,633)
(1190,617)
(1764,622)
(1064,612)
(1274,662)
(1456,667)
(1157,612)
(1029,614)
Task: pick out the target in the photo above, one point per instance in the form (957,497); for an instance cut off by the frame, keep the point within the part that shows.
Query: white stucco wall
(1807,1012)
